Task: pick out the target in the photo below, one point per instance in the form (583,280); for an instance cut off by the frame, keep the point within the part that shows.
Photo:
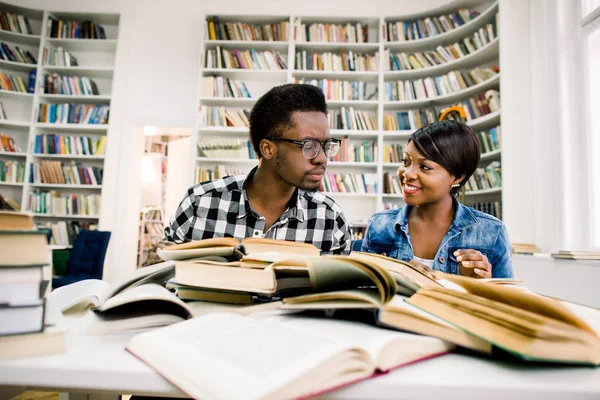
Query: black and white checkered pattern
(220,208)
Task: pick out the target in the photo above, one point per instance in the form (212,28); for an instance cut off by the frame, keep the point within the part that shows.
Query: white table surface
(100,364)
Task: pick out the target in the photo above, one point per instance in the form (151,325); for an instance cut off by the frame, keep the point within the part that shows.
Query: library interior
(318,199)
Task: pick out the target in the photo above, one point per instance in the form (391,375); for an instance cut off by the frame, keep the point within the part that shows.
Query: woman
(433,227)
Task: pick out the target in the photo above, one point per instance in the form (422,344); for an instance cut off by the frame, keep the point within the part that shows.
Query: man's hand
(473,264)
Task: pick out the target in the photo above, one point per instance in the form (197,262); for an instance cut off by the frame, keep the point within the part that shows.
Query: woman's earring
(455,185)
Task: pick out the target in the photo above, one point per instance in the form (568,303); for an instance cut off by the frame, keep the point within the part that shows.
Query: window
(591,46)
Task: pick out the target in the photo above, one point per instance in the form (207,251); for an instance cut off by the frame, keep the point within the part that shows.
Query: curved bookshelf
(66,216)
(369,82)
(476,58)
(493,82)
(484,191)
(445,37)
(20,38)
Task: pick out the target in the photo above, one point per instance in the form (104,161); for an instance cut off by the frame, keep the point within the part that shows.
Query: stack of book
(311,320)
(25,254)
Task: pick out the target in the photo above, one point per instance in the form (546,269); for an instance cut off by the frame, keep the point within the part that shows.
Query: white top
(425,261)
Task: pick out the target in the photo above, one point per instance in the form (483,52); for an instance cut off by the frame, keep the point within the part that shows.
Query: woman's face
(422,180)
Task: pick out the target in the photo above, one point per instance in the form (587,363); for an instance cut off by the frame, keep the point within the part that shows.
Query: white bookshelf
(358,206)
(96,61)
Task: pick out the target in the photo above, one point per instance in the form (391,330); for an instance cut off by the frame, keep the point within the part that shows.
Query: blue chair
(356,245)
(86,260)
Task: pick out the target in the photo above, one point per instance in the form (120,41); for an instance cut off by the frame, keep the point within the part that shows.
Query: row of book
(442,54)
(391,183)
(335,89)
(218,86)
(226,148)
(493,208)
(475,107)
(309,60)
(350,32)
(363,152)
(489,140)
(244,59)
(222,116)
(69,29)
(350,119)
(2,112)
(73,204)
(154,228)
(58,57)
(71,113)
(218,30)
(8,144)
(429,26)
(16,83)
(393,153)
(358,232)
(12,171)
(72,173)
(485,178)
(14,22)
(65,232)
(202,174)
(17,54)
(70,85)
(69,145)
(430,87)
(348,183)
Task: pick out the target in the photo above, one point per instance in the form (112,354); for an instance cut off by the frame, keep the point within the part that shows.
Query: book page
(148,292)
(153,273)
(387,348)
(259,356)
(88,291)
(590,315)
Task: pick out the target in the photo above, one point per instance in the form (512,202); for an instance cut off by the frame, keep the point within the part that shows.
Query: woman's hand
(472,263)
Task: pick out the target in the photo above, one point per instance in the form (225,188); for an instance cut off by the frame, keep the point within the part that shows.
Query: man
(279,199)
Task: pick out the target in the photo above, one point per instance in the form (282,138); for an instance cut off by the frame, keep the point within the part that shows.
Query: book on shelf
(528,326)
(577,255)
(314,356)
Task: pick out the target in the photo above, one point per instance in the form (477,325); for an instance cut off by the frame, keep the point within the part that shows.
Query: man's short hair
(271,116)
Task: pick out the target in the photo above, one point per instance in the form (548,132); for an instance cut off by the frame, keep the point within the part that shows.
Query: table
(99,368)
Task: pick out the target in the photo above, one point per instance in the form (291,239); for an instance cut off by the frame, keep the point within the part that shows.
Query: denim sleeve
(502,257)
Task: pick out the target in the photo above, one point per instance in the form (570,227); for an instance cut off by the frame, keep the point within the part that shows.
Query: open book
(325,279)
(250,252)
(274,358)
(527,325)
(137,302)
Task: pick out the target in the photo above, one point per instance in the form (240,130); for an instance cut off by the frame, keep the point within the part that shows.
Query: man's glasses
(311,147)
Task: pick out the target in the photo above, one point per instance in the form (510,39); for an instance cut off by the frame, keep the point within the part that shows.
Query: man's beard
(280,169)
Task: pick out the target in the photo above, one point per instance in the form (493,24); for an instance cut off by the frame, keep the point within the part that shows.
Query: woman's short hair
(451,144)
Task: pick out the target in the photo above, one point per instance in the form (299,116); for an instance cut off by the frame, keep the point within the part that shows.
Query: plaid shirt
(220,208)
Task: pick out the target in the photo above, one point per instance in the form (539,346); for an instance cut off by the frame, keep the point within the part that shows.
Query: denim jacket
(387,234)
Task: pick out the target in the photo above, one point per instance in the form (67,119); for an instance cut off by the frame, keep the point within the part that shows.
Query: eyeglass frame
(302,143)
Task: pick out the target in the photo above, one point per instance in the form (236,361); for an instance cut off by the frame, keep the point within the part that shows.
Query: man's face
(290,164)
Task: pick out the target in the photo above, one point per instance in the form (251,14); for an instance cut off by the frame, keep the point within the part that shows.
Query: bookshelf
(62,158)
(311,57)
(151,226)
